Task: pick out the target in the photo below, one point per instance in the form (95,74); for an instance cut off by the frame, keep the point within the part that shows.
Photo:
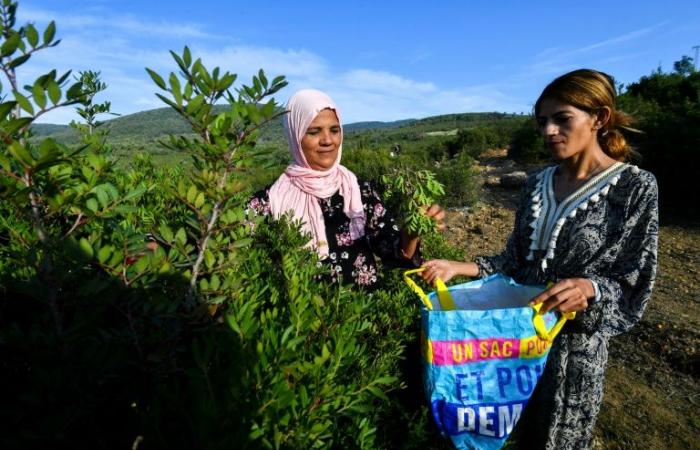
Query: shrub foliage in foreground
(209,335)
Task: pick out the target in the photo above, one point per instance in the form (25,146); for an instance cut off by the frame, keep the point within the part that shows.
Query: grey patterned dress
(606,231)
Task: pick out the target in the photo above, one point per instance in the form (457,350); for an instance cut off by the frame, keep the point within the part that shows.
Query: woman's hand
(409,242)
(439,268)
(567,295)
(436,213)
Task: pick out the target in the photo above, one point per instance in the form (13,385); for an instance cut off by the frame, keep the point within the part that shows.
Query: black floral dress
(606,231)
(353,261)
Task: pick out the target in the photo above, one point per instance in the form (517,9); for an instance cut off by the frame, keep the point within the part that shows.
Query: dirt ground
(652,390)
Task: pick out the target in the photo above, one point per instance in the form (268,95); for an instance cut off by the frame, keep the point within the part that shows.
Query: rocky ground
(652,391)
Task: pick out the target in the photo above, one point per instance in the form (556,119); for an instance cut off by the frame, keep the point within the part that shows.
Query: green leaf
(10,45)
(23,102)
(179,61)
(191,193)
(209,259)
(49,32)
(166,233)
(75,91)
(187,57)
(86,247)
(176,88)
(5,163)
(181,236)
(378,393)
(21,154)
(215,282)
(104,253)
(39,95)
(243,242)
(102,197)
(32,35)
(6,108)
(199,201)
(14,125)
(195,104)
(54,91)
(386,380)
(18,61)
(157,79)
(168,102)
(92,205)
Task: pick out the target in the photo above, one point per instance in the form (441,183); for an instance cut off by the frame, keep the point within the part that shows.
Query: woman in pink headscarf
(346,218)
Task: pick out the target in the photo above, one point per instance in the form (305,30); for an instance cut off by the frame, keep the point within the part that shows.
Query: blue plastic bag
(484,348)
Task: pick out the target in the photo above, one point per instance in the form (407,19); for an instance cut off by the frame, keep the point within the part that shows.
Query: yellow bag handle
(541,328)
(447,303)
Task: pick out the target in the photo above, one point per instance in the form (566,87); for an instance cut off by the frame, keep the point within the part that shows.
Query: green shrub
(139,311)
(458,177)
(667,109)
(407,193)
(527,144)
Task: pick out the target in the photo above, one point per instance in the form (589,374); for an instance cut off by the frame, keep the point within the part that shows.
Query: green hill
(144,131)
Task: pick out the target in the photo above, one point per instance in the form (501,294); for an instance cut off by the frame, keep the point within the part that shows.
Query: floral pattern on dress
(344,239)
(353,261)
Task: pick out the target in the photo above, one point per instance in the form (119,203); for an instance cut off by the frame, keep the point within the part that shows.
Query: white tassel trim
(572,214)
(635,170)
(536,213)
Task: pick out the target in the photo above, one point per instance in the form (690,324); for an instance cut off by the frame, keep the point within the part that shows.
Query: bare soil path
(652,390)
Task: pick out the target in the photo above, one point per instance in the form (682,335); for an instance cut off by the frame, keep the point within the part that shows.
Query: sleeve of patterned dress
(509,260)
(626,273)
(259,203)
(383,232)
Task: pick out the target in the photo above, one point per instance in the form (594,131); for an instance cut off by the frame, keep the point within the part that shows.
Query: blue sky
(379,60)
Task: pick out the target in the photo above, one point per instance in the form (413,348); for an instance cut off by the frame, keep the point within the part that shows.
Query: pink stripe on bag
(449,353)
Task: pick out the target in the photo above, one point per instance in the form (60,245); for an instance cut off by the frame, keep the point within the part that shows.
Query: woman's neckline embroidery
(549,215)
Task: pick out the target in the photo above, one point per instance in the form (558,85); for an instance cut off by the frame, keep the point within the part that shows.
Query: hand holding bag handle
(444,297)
(541,328)
(447,303)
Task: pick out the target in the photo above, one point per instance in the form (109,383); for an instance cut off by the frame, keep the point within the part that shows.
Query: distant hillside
(144,130)
(359,126)
(45,129)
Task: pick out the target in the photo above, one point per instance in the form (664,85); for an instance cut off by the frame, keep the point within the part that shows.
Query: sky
(379,60)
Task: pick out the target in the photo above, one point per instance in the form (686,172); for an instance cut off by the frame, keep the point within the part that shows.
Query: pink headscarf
(299,187)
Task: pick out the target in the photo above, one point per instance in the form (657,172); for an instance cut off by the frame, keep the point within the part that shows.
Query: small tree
(92,84)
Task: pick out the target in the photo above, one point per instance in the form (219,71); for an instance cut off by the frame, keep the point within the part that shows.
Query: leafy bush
(474,141)
(408,192)
(458,177)
(667,108)
(139,310)
(527,144)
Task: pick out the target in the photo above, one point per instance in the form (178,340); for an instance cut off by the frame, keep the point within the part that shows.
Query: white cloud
(115,45)
(122,23)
